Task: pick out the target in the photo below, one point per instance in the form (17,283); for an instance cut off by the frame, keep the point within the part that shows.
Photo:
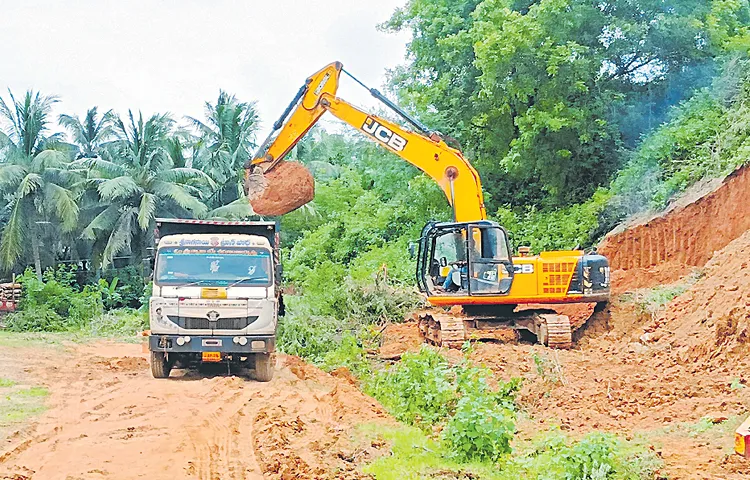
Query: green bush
(419,390)
(350,354)
(595,456)
(59,303)
(561,229)
(424,389)
(481,429)
(309,337)
(35,319)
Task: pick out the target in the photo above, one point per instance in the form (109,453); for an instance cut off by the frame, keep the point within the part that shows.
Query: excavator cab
(464,260)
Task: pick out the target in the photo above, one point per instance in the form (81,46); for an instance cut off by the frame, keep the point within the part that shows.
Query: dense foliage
(57,303)
(92,196)
(546,94)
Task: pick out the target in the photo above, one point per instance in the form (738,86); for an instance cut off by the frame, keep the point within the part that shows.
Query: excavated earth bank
(665,248)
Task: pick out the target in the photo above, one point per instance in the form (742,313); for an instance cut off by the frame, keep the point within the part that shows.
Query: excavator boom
(425,150)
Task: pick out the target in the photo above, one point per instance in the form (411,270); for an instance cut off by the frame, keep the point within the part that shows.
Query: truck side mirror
(412,250)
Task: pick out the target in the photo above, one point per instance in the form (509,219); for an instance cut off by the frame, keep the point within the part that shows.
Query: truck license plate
(211,357)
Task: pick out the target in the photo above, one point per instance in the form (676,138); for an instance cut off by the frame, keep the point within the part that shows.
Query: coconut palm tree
(89,135)
(225,141)
(38,182)
(136,178)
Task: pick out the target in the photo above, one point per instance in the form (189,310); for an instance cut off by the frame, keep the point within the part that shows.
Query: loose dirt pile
(316,442)
(709,325)
(288,186)
(663,249)
(108,418)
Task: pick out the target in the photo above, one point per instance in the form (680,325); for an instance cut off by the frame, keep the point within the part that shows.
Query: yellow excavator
(466,262)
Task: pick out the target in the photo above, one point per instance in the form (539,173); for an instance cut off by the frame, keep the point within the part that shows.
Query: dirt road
(108,419)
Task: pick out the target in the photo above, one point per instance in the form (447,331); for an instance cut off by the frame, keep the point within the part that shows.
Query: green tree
(136,178)
(39,183)
(225,140)
(536,89)
(89,135)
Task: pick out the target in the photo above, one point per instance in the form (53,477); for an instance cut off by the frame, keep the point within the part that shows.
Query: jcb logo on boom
(383,134)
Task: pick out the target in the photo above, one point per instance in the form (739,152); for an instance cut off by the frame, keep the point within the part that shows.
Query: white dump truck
(216,295)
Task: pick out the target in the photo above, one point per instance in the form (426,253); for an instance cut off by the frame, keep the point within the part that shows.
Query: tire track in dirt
(109,419)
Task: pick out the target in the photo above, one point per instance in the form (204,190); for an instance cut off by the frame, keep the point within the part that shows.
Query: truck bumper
(202,343)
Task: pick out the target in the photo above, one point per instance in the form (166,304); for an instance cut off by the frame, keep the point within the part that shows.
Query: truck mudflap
(200,343)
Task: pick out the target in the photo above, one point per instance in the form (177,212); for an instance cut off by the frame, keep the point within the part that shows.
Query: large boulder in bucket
(286,187)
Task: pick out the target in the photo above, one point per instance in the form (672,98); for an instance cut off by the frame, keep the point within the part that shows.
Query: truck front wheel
(160,365)
(264,365)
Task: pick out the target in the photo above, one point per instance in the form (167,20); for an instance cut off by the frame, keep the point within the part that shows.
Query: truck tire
(160,366)
(264,366)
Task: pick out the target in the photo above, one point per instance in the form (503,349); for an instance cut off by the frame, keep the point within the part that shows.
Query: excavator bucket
(278,189)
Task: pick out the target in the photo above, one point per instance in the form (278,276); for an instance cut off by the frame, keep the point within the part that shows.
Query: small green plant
(481,429)
(6,382)
(350,354)
(419,390)
(548,369)
(110,296)
(737,384)
(123,322)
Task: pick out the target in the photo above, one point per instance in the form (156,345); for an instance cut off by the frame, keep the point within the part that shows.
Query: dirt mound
(399,338)
(123,364)
(686,236)
(676,378)
(311,443)
(710,323)
(288,186)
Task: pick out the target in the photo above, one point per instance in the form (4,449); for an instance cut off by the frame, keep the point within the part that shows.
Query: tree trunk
(35,251)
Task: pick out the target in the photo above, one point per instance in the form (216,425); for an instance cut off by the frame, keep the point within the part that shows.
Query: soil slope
(663,249)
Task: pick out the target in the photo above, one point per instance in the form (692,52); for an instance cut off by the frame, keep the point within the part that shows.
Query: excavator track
(555,331)
(451,331)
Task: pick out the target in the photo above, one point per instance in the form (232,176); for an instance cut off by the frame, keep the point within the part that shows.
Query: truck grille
(199,323)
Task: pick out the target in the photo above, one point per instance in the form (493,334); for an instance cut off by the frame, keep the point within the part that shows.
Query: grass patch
(6,382)
(17,404)
(122,325)
(416,454)
(706,429)
(652,301)
(28,339)
(32,392)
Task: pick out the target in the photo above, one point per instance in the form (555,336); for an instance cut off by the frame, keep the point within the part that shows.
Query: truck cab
(216,296)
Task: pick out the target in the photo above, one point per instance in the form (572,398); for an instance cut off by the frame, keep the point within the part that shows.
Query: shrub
(595,456)
(350,354)
(309,337)
(419,390)
(423,389)
(481,429)
(35,319)
(57,300)
(560,229)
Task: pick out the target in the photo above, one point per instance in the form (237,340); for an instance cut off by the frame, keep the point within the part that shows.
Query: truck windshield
(218,266)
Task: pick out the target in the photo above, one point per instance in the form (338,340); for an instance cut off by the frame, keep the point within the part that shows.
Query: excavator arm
(424,149)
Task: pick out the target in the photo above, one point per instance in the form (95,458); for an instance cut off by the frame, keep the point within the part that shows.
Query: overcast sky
(173,55)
